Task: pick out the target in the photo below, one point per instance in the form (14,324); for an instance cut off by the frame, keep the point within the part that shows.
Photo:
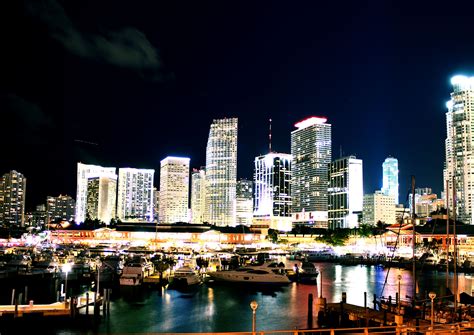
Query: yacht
(184,277)
(252,274)
(308,273)
(135,270)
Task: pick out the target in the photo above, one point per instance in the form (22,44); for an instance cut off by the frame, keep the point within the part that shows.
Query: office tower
(272,200)
(459,165)
(12,198)
(378,207)
(101,198)
(61,208)
(345,192)
(39,217)
(311,155)
(198,195)
(174,189)
(156,204)
(135,195)
(84,172)
(390,178)
(244,203)
(221,172)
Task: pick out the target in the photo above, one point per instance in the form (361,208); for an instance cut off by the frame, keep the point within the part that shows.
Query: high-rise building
(459,165)
(311,152)
(378,207)
(61,208)
(272,200)
(221,172)
(244,205)
(135,195)
(345,192)
(174,189)
(156,205)
(198,195)
(101,198)
(12,198)
(84,172)
(390,178)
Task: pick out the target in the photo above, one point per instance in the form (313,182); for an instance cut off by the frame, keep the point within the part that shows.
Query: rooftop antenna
(270,137)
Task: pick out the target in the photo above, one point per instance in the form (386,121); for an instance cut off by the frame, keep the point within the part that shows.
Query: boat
(135,270)
(252,274)
(308,273)
(184,277)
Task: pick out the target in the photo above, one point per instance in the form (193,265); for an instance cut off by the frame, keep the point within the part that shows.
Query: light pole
(98,265)
(66,268)
(254,306)
(399,296)
(432,296)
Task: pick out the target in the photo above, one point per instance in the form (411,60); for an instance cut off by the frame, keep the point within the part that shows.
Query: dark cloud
(127,48)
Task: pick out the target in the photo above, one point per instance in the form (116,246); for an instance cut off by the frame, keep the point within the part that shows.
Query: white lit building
(390,178)
(101,198)
(12,198)
(174,189)
(459,165)
(345,192)
(198,195)
(135,195)
(311,152)
(272,200)
(244,203)
(378,207)
(221,173)
(60,208)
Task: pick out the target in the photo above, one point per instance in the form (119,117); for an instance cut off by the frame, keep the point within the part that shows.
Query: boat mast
(414,236)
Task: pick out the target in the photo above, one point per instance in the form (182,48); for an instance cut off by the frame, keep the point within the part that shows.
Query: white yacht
(252,274)
(135,270)
(185,277)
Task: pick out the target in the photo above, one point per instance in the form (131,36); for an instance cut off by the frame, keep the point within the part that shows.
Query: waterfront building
(135,195)
(244,202)
(198,195)
(272,197)
(12,198)
(60,208)
(390,178)
(378,207)
(101,198)
(84,172)
(174,189)
(345,192)
(311,155)
(221,172)
(459,166)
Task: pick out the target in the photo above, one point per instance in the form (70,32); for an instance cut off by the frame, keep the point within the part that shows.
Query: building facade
(198,195)
(60,208)
(459,166)
(174,189)
(101,198)
(378,207)
(244,202)
(390,178)
(221,172)
(311,155)
(12,198)
(345,192)
(135,195)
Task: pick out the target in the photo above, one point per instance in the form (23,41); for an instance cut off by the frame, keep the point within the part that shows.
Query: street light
(432,296)
(98,265)
(254,306)
(399,296)
(66,268)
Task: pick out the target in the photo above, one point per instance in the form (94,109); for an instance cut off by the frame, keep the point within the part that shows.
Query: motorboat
(135,270)
(184,277)
(308,273)
(252,274)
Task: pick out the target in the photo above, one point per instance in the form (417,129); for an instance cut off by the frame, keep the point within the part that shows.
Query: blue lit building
(390,178)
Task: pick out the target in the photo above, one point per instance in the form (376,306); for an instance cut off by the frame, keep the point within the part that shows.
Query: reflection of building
(345,192)
(12,198)
(459,163)
(101,198)
(135,195)
(390,178)
(221,172)
(198,195)
(61,208)
(244,206)
(311,152)
(378,207)
(272,201)
(174,190)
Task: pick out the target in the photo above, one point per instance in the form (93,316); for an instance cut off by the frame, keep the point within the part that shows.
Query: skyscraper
(174,189)
(135,195)
(311,154)
(84,172)
(221,172)
(272,200)
(101,198)
(60,208)
(244,204)
(345,192)
(378,207)
(12,198)
(198,195)
(459,165)
(390,178)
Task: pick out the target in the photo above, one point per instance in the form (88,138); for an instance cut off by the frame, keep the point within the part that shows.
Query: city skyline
(162,75)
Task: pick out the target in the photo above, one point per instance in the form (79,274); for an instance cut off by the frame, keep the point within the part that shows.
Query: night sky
(126,84)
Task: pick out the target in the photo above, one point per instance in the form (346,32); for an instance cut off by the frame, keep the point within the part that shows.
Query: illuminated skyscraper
(12,198)
(198,195)
(221,172)
(244,203)
(174,190)
(60,208)
(378,207)
(345,192)
(135,195)
(390,178)
(311,152)
(272,200)
(459,165)
(84,172)
(101,198)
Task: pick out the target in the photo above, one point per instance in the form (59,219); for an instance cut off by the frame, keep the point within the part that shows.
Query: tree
(272,235)
(336,237)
